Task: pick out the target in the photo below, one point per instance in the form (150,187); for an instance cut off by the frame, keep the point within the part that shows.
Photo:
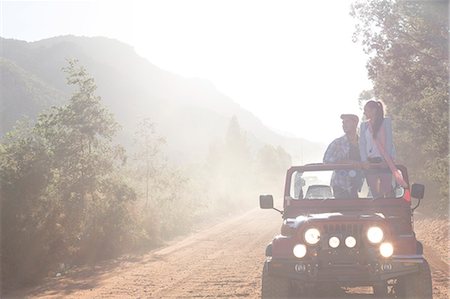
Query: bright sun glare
(291,63)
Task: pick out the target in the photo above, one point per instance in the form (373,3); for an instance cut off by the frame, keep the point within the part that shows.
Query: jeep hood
(336,216)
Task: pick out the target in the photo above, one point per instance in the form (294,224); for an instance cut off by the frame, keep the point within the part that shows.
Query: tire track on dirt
(224,274)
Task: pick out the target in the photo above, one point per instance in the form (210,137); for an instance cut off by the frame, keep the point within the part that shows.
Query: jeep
(345,242)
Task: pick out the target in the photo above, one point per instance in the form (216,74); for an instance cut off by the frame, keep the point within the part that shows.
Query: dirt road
(224,260)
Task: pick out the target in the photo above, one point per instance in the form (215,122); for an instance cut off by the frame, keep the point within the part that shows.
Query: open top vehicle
(348,242)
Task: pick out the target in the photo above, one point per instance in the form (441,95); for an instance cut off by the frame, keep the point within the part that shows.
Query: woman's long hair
(379,116)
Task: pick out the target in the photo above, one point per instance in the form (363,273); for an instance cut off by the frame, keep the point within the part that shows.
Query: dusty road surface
(224,260)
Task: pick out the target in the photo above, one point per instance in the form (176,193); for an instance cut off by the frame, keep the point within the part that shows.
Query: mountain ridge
(134,88)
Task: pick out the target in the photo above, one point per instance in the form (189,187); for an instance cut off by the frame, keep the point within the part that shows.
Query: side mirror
(266,201)
(417,191)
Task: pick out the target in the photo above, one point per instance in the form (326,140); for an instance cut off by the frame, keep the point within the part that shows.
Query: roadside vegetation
(70,195)
(407,46)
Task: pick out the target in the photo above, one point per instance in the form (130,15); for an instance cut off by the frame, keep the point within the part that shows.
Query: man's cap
(353,117)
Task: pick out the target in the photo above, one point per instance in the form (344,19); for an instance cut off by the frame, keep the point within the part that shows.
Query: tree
(26,236)
(148,147)
(271,166)
(84,162)
(62,193)
(236,146)
(273,161)
(407,44)
(79,135)
(229,169)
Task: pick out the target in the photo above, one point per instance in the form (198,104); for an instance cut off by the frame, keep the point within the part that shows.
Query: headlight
(386,249)
(375,234)
(312,236)
(334,242)
(299,250)
(350,242)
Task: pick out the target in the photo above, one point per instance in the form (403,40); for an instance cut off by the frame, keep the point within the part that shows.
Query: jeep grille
(354,229)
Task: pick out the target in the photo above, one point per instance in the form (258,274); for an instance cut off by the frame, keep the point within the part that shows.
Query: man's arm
(331,154)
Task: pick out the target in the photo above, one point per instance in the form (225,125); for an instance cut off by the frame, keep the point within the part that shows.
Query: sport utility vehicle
(347,242)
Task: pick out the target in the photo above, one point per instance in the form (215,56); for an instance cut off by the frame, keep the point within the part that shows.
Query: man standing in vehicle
(345,149)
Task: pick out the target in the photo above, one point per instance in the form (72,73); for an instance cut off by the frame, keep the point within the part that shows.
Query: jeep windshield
(320,183)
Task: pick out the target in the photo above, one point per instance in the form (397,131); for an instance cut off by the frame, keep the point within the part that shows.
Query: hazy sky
(291,63)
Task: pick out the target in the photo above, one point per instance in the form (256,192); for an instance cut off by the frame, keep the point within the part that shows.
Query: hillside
(23,94)
(189,112)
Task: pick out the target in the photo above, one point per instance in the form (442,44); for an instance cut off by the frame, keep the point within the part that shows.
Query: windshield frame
(334,167)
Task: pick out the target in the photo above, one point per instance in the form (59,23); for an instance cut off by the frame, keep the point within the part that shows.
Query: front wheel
(418,285)
(272,286)
(380,290)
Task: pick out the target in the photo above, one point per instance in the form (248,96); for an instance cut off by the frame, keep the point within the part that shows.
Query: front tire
(272,286)
(418,285)
(380,290)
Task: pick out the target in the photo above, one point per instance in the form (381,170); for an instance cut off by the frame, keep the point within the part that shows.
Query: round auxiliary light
(386,249)
(350,242)
(375,234)
(334,242)
(312,236)
(299,250)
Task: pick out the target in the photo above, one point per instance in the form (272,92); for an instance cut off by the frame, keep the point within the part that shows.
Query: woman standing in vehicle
(376,146)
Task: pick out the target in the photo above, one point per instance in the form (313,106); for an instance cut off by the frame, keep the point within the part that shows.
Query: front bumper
(349,274)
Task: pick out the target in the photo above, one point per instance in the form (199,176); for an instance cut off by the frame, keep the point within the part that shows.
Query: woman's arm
(389,141)
(362,141)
